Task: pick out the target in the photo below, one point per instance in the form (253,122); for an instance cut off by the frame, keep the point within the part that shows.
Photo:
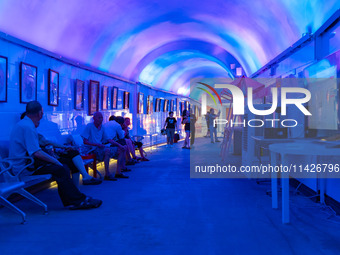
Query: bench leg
(9,205)
(29,196)
(94,168)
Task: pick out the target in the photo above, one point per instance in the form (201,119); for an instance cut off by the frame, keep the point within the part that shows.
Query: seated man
(114,131)
(24,142)
(67,156)
(94,135)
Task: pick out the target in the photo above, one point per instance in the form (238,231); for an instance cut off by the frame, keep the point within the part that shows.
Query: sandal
(121,176)
(130,163)
(109,178)
(88,203)
(92,181)
(126,170)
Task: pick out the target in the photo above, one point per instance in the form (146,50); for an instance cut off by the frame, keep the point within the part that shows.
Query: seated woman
(68,156)
(131,144)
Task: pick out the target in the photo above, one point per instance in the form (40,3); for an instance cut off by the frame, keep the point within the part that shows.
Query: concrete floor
(160,210)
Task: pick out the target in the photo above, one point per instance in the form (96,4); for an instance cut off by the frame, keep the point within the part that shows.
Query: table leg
(274,182)
(285,195)
(322,190)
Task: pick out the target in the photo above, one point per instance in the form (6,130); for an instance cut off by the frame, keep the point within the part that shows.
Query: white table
(297,148)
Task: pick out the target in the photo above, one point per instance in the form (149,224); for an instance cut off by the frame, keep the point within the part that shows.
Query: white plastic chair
(28,180)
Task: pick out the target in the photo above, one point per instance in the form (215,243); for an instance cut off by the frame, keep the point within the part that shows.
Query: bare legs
(78,162)
(120,161)
(186,141)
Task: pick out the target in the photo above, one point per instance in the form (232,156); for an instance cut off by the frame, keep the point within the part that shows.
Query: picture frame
(177,110)
(157,105)
(3,78)
(105,98)
(93,97)
(171,105)
(79,95)
(114,98)
(140,104)
(126,100)
(150,105)
(181,108)
(28,83)
(53,87)
(166,105)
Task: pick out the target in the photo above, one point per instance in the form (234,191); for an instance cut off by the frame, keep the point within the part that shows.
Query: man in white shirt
(94,135)
(24,142)
(113,129)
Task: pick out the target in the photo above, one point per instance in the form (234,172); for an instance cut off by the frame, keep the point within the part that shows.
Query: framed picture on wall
(126,100)
(181,108)
(93,97)
(150,105)
(177,107)
(105,97)
(114,98)
(166,105)
(79,95)
(157,105)
(53,87)
(140,104)
(28,83)
(3,78)
(171,105)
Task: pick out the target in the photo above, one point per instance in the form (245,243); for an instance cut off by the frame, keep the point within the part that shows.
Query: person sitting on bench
(69,156)
(132,143)
(24,142)
(95,135)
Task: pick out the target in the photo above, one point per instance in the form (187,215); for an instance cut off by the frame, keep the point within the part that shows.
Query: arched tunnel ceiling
(165,43)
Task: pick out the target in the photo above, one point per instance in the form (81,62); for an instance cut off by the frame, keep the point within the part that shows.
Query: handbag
(176,138)
(163,131)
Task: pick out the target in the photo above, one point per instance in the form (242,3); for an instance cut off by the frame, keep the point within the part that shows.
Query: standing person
(186,122)
(170,126)
(208,124)
(24,141)
(192,127)
(212,127)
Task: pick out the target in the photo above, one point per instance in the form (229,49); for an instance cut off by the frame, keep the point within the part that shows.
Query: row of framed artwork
(167,106)
(109,97)
(28,83)
(172,105)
